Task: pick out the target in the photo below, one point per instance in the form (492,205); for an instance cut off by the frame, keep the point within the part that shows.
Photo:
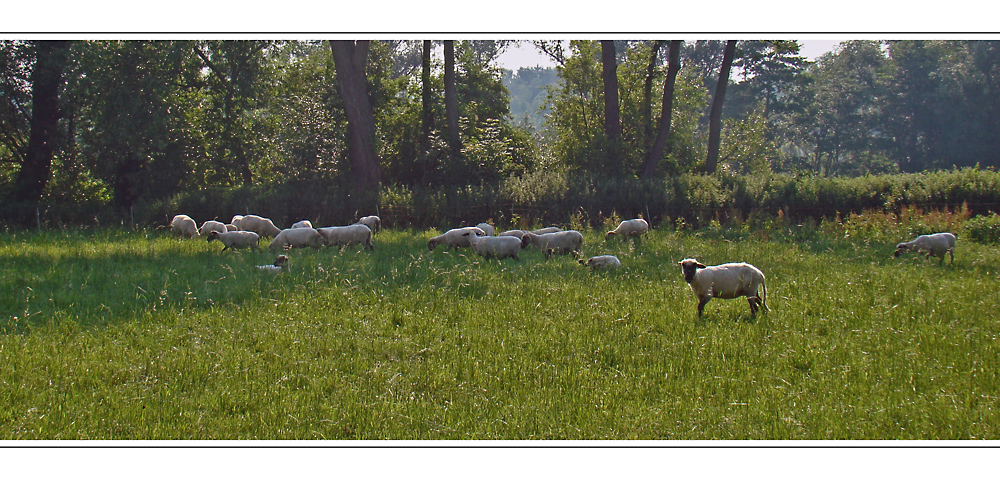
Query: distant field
(137,335)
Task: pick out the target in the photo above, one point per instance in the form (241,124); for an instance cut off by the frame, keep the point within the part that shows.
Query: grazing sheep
(231,228)
(302,224)
(487,228)
(236,239)
(347,235)
(280,265)
(259,225)
(936,244)
(556,243)
(601,262)
(236,220)
(212,226)
(543,231)
(296,238)
(372,222)
(729,280)
(184,226)
(630,228)
(493,247)
(512,233)
(454,238)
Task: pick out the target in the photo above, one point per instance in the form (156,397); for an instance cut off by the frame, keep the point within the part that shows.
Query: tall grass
(122,335)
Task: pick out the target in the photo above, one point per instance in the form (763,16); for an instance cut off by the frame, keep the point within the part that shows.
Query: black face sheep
(493,247)
(729,280)
(280,265)
(296,238)
(235,239)
(556,243)
(348,235)
(629,228)
(184,226)
(936,244)
(601,262)
(454,238)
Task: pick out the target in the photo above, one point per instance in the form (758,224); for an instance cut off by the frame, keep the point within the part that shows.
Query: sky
(525,55)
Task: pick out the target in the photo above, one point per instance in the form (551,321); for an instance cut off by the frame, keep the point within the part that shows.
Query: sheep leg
(754,305)
(701,305)
(952,253)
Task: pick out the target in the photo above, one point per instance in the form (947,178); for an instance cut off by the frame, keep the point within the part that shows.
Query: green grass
(136,335)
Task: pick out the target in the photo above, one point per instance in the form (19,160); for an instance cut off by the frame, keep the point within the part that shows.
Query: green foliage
(984,229)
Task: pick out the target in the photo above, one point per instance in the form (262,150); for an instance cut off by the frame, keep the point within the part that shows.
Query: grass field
(136,335)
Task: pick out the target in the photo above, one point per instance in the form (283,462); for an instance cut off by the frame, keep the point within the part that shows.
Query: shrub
(984,229)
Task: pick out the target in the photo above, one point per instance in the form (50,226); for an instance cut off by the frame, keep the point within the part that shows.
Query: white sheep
(936,245)
(184,226)
(512,233)
(302,224)
(630,228)
(236,220)
(729,280)
(296,238)
(259,225)
(493,247)
(556,243)
(280,265)
(235,239)
(543,231)
(372,222)
(454,238)
(601,262)
(212,226)
(347,235)
(487,228)
(231,228)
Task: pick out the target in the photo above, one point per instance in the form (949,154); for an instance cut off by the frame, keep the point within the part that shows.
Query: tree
(647,93)
(349,59)
(715,117)
(426,99)
(659,149)
(612,112)
(46,78)
(451,98)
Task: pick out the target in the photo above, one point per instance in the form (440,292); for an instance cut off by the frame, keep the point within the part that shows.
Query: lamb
(936,244)
(184,226)
(237,239)
(280,265)
(212,226)
(488,246)
(296,238)
(453,238)
(302,224)
(487,228)
(372,222)
(556,243)
(601,262)
(347,235)
(259,225)
(729,280)
(630,228)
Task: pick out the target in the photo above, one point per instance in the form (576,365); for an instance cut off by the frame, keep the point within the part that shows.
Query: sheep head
(690,266)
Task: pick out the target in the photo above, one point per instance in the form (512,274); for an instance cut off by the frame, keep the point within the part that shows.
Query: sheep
(453,238)
(302,224)
(729,280)
(488,246)
(601,262)
(236,220)
(236,239)
(184,226)
(296,238)
(630,228)
(231,228)
(487,228)
(556,243)
(280,265)
(543,231)
(372,222)
(936,244)
(259,225)
(347,235)
(512,233)
(212,226)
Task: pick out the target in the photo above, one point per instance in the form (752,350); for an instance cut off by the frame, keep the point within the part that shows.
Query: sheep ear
(700,265)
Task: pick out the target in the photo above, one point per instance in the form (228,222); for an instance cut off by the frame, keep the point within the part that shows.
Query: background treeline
(135,131)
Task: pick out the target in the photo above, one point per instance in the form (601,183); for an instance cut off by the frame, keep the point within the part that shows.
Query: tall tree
(659,149)
(612,112)
(46,77)
(426,99)
(451,97)
(349,59)
(715,116)
(647,94)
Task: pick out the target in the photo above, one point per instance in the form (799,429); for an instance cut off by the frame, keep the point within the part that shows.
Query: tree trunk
(36,171)
(426,99)
(349,59)
(659,149)
(715,117)
(647,96)
(612,116)
(451,97)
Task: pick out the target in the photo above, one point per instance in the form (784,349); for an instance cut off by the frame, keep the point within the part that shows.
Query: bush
(984,229)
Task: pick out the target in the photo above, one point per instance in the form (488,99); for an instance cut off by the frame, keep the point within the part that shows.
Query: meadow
(122,334)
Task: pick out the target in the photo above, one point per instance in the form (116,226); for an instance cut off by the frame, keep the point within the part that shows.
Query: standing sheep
(543,231)
(512,233)
(556,243)
(454,238)
(729,280)
(372,222)
(936,245)
(212,226)
(487,228)
(236,239)
(296,238)
(302,224)
(236,220)
(184,226)
(601,262)
(493,247)
(259,225)
(347,235)
(629,228)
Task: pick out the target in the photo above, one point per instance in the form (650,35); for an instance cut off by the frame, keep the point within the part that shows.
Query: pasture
(116,334)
